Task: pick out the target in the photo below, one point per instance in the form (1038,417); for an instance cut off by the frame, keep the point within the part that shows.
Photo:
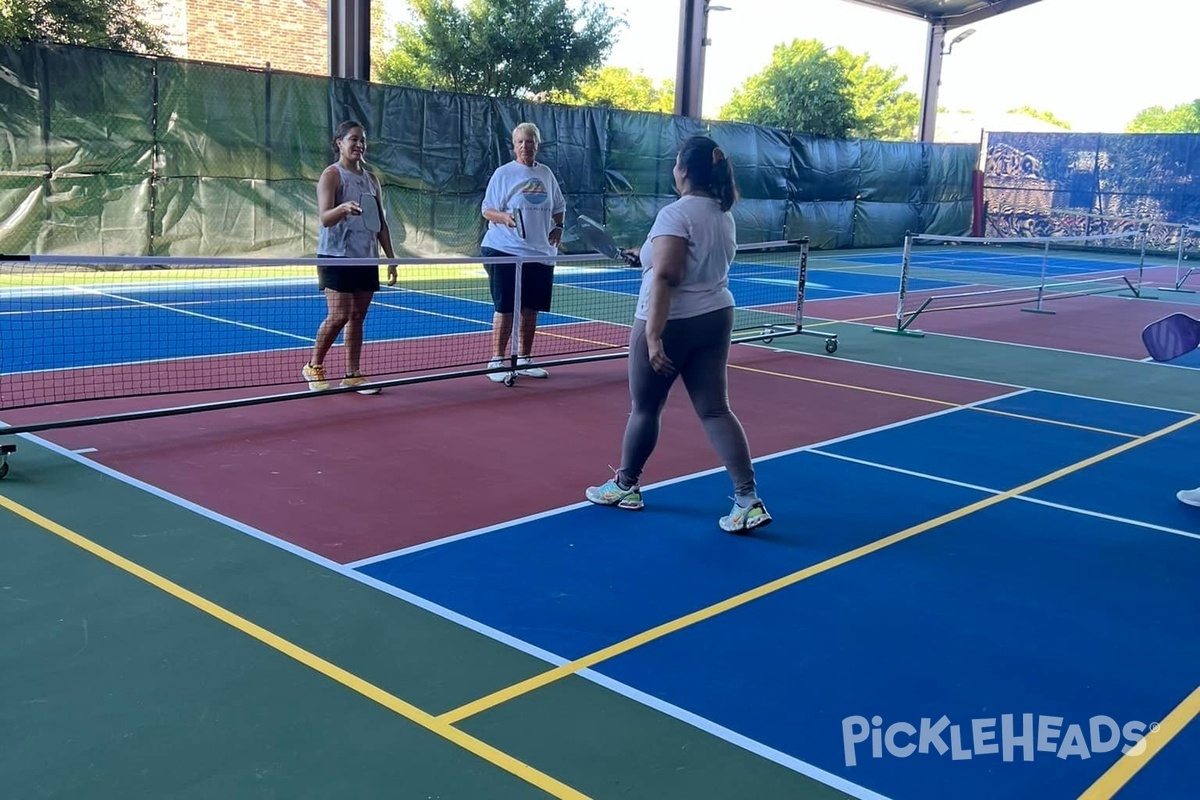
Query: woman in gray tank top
(343,234)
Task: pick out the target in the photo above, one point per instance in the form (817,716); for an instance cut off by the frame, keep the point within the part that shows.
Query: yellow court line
(857,388)
(901,395)
(554,334)
(850,321)
(1046,421)
(932,401)
(836,384)
(550,676)
(351,681)
(1129,764)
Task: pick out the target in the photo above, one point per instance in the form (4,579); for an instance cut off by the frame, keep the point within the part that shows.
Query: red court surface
(349,477)
(281,367)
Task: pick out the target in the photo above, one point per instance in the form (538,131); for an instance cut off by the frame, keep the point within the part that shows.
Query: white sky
(1092,63)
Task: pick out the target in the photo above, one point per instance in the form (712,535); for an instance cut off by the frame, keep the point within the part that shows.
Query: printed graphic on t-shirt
(534,191)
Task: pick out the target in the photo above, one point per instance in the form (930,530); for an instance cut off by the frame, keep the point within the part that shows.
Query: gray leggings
(699,348)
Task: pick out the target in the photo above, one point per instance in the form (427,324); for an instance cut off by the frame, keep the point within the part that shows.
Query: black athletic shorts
(351,278)
(537,283)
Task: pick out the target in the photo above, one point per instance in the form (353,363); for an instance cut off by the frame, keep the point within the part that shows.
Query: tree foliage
(379,37)
(803,89)
(1183,118)
(618,87)
(882,109)
(499,48)
(1044,116)
(110,24)
(809,89)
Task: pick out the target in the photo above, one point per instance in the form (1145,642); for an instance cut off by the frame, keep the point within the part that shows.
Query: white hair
(527,127)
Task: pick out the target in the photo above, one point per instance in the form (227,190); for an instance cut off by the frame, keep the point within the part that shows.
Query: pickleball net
(76,329)
(1029,271)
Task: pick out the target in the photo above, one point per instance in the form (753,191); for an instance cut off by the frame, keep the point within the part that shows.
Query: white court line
(208,317)
(127,306)
(486,325)
(1182,413)
(774,348)
(345,570)
(733,737)
(669,482)
(1023,498)
(964,337)
(718,731)
(62,290)
(348,570)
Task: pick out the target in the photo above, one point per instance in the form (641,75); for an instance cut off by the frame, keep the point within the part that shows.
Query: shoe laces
(617,480)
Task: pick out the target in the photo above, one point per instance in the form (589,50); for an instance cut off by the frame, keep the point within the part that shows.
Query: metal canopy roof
(950,13)
(942,15)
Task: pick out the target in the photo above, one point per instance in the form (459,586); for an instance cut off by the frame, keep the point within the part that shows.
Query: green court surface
(166,655)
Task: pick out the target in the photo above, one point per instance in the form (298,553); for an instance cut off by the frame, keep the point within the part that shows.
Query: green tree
(1183,118)
(499,48)
(110,24)
(881,106)
(804,89)
(810,89)
(379,36)
(1044,116)
(618,87)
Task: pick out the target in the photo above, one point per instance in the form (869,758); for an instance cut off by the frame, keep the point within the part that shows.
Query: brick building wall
(291,35)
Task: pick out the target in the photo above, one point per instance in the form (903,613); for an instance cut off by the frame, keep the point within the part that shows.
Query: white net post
(515,337)
(905,267)
(1041,290)
(901,327)
(1139,290)
(801,284)
(1181,275)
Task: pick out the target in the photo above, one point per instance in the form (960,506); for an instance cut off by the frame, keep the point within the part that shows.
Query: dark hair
(708,169)
(342,129)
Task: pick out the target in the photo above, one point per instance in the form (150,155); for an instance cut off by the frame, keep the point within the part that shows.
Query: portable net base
(79,329)
(1030,271)
(1179,240)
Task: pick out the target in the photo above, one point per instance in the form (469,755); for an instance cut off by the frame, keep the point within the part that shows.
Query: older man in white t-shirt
(524,207)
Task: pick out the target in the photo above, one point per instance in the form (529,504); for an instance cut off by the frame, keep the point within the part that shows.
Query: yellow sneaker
(357,379)
(315,377)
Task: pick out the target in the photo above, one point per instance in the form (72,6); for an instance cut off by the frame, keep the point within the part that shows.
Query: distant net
(76,329)
(1177,240)
(1032,271)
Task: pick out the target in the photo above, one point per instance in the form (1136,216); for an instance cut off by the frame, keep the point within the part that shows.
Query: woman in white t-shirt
(682,328)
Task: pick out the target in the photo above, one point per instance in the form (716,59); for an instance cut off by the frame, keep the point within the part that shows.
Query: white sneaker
(1190,497)
(743,519)
(497,377)
(525,366)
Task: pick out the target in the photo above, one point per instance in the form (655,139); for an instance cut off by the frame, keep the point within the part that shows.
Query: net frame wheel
(510,379)
(831,346)
(5,450)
